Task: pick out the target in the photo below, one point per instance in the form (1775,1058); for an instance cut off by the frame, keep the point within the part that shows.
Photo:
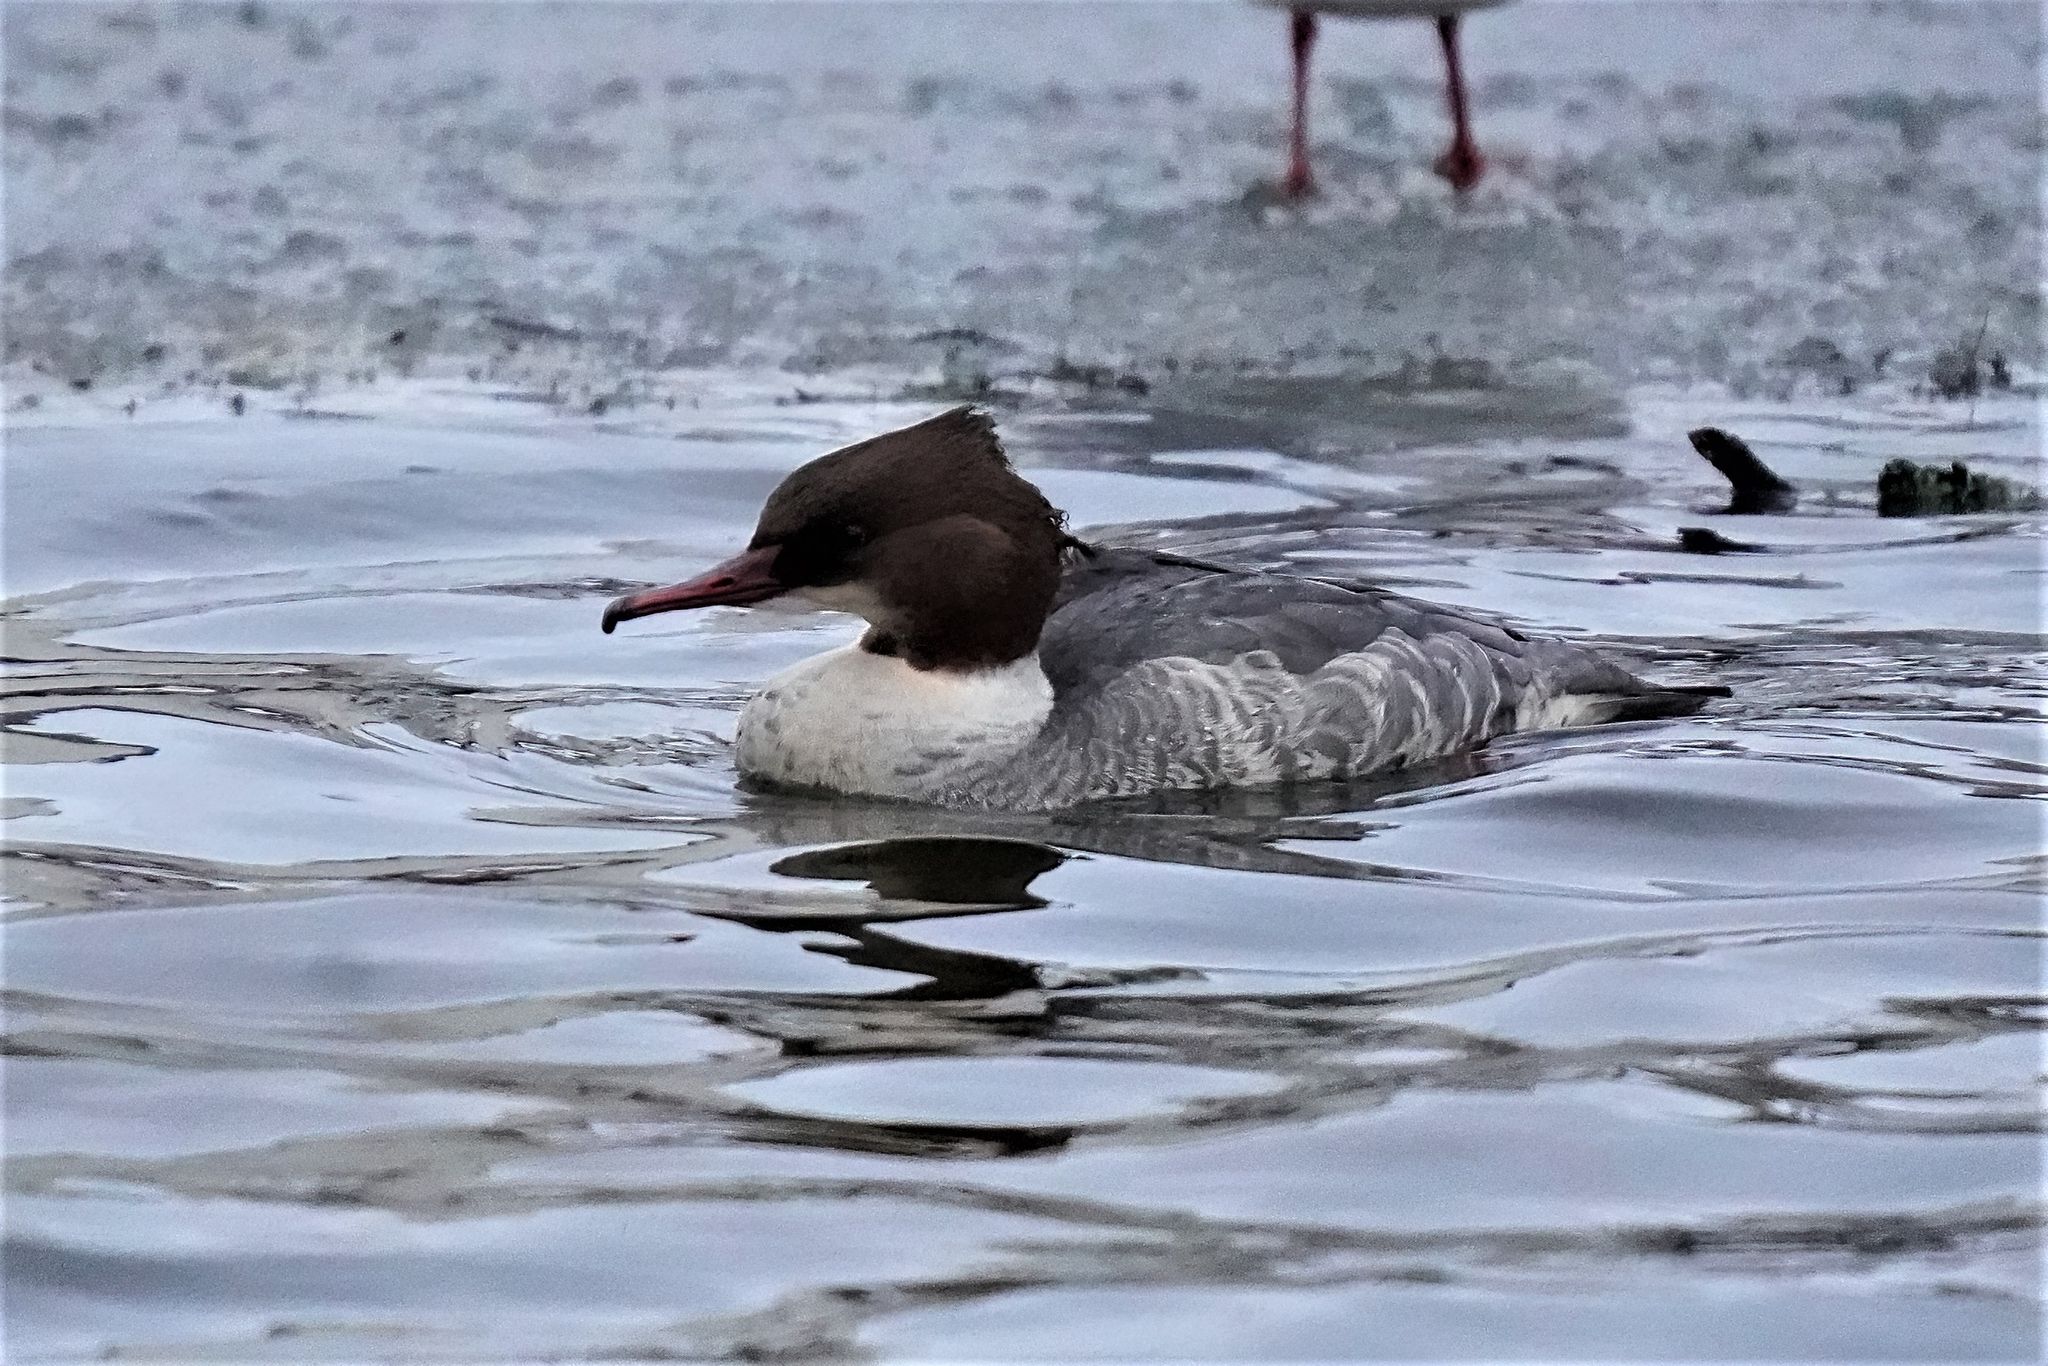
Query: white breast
(851,721)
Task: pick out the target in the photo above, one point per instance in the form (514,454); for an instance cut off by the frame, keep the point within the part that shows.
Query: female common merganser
(1461,163)
(1008,664)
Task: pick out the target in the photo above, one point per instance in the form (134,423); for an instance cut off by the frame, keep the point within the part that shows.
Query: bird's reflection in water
(921,877)
(927,861)
(978,863)
(950,871)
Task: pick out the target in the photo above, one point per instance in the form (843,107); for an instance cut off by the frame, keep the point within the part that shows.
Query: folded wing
(1172,672)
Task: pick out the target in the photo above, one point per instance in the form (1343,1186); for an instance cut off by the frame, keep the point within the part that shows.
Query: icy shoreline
(603,203)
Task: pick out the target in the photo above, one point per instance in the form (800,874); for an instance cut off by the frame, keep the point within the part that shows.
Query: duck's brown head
(927,532)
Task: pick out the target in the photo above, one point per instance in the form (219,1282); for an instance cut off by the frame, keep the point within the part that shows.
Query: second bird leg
(1300,181)
(1461,163)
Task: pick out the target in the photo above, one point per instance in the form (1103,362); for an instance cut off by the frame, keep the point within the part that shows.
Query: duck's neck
(852,720)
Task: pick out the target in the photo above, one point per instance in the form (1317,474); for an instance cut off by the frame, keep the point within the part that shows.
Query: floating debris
(1700,540)
(1906,489)
(1757,488)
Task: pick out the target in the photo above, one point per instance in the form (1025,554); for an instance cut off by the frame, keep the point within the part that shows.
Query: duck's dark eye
(819,554)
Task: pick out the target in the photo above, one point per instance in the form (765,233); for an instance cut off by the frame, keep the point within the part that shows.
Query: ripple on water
(1649,1318)
(352,1282)
(1699,809)
(1780,985)
(397,970)
(144,1109)
(995,1091)
(233,795)
(404,950)
(2008,1066)
(1563,1153)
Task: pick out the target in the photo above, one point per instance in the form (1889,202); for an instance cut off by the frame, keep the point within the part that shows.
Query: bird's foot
(1462,165)
(1297,184)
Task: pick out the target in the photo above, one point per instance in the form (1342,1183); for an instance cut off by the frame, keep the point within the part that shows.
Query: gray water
(394,969)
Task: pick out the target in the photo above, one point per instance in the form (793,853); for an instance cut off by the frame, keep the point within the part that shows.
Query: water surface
(395,970)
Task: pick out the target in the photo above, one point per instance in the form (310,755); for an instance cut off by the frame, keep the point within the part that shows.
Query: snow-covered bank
(592,203)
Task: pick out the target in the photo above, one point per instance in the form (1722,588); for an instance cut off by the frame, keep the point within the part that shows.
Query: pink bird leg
(1299,181)
(1461,163)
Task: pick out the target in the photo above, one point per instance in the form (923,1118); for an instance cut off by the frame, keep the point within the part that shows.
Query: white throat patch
(851,721)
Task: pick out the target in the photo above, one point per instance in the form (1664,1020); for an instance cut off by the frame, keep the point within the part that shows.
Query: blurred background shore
(610,207)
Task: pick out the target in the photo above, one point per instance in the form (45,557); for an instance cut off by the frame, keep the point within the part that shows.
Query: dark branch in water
(1701,540)
(1904,489)
(1756,488)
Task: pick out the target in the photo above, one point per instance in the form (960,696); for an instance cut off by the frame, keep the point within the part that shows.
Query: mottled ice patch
(580,215)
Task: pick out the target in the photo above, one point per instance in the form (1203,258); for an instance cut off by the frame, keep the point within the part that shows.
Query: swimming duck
(1009,664)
